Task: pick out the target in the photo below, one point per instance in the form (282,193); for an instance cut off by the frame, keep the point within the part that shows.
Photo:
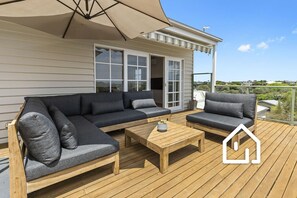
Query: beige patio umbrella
(87,19)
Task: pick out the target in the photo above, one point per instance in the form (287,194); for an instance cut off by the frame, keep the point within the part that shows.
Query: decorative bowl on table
(162,126)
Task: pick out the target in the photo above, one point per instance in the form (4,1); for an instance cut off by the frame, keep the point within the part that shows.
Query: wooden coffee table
(164,143)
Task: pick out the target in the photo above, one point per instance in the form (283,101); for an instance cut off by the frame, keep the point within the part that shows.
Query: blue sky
(260,36)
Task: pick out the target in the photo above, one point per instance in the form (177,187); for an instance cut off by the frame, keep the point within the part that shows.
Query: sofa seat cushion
(154,111)
(108,119)
(93,144)
(223,122)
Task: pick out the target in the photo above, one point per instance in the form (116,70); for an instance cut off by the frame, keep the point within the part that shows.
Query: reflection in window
(109,70)
(137,73)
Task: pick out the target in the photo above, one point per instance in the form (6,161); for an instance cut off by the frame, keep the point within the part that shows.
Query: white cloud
(262,45)
(276,39)
(244,48)
(294,31)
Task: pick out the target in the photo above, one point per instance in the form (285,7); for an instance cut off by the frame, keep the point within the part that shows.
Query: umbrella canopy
(87,19)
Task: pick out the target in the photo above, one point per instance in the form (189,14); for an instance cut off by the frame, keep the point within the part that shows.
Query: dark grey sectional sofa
(88,113)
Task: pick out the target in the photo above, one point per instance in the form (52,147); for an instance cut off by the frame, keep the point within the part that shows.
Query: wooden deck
(195,174)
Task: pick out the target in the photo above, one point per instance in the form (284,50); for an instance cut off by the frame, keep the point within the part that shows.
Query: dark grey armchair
(225,112)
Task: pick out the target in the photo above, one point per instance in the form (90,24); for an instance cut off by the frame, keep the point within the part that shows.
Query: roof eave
(193,30)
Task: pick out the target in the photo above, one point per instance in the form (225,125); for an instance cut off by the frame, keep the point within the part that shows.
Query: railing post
(193,86)
(212,86)
(293,106)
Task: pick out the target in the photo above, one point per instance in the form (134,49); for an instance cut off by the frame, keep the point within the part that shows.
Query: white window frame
(125,62)
(148,67)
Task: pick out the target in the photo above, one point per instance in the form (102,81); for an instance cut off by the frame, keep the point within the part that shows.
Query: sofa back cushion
(248,101)
(66,129)
(107,107)
(39,133)
(88,99)
(130,96)
(224,108)
(68,104)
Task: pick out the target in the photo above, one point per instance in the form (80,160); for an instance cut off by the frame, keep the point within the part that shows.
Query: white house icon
(247,151)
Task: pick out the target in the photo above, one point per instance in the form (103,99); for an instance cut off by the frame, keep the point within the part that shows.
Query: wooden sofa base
(134,123)
(220,132)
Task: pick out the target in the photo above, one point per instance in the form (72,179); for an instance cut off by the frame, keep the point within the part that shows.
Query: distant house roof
(261,109)
(270,102)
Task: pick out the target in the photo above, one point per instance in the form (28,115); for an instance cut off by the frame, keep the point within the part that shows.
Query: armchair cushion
(223,122)
(248,100)
(224,108)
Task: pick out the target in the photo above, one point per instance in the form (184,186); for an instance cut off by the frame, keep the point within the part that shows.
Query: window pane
(170,86)
(176,65)
(116,72)
(102,86)
(171,75)
(132,86)
(102,71)
(141,86)
(176,97)
(116,86)
(142,61)
(177,86)
(102,55)
(170,104)
(132,60)
(116,56)
(170,97)
(142,74)
(132,73)
(176,74)
(171,65)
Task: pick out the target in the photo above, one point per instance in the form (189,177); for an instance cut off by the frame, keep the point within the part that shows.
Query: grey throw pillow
(40,137)
(143,103)
(67,130)
(224,108)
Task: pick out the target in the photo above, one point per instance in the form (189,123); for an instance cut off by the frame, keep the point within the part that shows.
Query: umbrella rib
(77,6)
(103,11)
(144,13)
(70,8)
(92,7)
(68,25)
(111,21)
